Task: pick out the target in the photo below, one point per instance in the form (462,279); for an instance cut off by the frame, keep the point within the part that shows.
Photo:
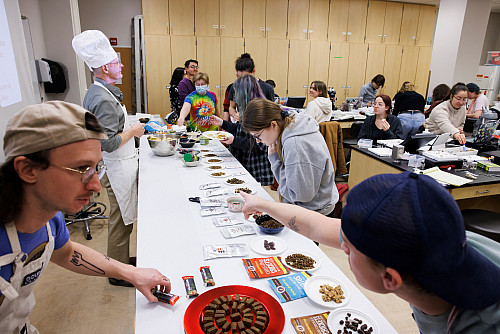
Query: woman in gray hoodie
(299,157)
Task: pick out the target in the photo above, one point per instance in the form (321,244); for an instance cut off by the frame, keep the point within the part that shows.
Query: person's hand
(145,279)
(228,141)
(236,117)
(460,130)
(180,122)
(253,204)
(368,104)
(137,130)
(214,120)
(385,125)
(460,137)
(271,149)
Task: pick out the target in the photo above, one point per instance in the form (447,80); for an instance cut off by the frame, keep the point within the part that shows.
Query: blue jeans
(411,122)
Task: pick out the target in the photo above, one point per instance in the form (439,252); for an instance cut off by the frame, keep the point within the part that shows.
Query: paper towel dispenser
(43,71)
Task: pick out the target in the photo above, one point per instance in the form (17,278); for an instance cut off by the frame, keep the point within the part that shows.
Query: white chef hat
(93,47)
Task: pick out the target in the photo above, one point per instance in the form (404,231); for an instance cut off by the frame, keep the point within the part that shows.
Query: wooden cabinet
(276,18)
(254,19)
(181,17)
(182,49)
(383,22)
(374,61)
(318,63)
(409,59)
(231,20)
(218,18)
(159,73)
(298,68)
(277,64)
(356,69)
(423,69)
(318,20)
(231,48)
(308,20)
(417,26)
(392,65)
(156,18)
(347,20)
(257,48)
(208,56)
(337,74)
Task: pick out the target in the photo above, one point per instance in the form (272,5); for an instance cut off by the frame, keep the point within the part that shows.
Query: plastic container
(365,143)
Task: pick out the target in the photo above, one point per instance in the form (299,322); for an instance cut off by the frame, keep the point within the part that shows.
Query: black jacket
(370,131)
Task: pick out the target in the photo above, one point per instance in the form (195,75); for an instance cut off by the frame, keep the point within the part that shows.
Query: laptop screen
(296,101)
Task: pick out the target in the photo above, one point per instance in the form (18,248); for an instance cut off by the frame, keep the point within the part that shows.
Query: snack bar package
(311,324)
(190,286)
(265,267)
(212,211)
(206,275)
(290,287)
(210,186)
(236,231)
(228,250)
(226,221)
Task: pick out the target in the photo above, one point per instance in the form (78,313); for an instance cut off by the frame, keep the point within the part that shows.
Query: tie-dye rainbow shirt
(202,107)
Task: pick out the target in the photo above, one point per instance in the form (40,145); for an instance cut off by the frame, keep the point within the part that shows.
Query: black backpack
(58,73)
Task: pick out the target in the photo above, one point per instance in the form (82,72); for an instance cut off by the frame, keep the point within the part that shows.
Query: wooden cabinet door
(425,29)
(155,14)
(356,22)
(409,24)
(182,49)
(392,65)
(231,20)
(298,68)
(254,19)
(231,48)
(158,73)
(181,17)
(392,23)
(318,20)
(337,23)
(423,70)
(257,48)
(337,73)
(408,60)
(374,61)
(206,13)
(375,22)
(356,68)
(298,14)
(319,57)
(276,18)
(277,64)
(208,56)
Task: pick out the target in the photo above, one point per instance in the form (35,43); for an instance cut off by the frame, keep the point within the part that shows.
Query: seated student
(273,84)
(320,108)
(382,125)
(409,107)
(479,101)
(299,157)
(449,116)
(368,92)
(401,90)
(439,94)
(404,234)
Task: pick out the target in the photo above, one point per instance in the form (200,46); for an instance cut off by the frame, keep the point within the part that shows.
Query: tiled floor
(72,303)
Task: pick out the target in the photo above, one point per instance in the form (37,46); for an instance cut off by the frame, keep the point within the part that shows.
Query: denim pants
(411,122)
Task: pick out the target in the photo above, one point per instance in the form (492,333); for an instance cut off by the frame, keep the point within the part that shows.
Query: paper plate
(253,191)
(195,310)
(257,245)
(215,169)
(215,160)
(317,262)
(208,155)
(235,185)
(335,317)
(224,174)
(219,135)
(312,287)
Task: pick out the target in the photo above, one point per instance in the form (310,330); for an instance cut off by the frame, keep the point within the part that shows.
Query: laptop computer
(416,141)
(296,102)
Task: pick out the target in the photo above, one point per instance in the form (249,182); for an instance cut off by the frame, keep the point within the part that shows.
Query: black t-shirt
(408,101)
(267,89)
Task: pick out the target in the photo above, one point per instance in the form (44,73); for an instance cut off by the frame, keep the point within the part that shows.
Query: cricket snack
(300,261)
(234,181)
(245,190)
(267,222)
(330,293)
(355,325)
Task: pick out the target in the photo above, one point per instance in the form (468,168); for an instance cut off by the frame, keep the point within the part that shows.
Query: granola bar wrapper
(311,324)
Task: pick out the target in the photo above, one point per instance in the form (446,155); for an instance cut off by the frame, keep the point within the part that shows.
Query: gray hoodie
(320,109)
(306,178)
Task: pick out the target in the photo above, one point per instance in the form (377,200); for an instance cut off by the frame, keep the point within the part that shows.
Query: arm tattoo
(293,226)
(106,257)
(78,260)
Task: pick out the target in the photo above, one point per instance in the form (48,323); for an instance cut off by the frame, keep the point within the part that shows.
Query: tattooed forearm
(78,260)
(292,225)
(106,257)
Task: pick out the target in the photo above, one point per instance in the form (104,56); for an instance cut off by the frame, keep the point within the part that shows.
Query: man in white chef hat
(119,153)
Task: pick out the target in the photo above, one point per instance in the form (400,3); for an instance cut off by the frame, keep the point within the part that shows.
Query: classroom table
(171,232)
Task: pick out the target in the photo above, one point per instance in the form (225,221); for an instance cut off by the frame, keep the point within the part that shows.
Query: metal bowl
(162,145)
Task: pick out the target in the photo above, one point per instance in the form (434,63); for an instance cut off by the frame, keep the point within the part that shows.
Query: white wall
(492,38)
(112,17)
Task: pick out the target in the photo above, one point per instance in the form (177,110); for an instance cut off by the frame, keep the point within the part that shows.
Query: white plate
(216,134)
(219,160)
(209,155)
(335,317)
(215,170)
(257,245)
(224,174)
(252,189)
(312,287)
(317,263)
(235,185)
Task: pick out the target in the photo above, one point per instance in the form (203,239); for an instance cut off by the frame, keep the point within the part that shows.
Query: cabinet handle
(482,192)
(348,86)
(379,35)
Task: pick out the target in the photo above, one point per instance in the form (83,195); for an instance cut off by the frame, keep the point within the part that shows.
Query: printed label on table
(290,287)
(265,267)
(311,324)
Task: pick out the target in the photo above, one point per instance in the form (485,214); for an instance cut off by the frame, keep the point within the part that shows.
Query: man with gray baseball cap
(104,100)
(53,164)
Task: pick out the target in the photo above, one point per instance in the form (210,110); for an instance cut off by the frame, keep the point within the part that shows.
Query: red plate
(196,309)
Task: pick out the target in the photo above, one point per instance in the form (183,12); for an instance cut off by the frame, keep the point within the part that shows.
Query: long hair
(440,92)
(407,87)
(11,185)
(260,113)
(246,88)
(320,87)
(177,76)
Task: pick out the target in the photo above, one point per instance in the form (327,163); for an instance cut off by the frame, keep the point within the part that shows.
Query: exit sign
(113,41)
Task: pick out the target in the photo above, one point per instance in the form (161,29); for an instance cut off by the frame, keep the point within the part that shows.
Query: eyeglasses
(193,66)
(257,137)
(88,172)
(460,99)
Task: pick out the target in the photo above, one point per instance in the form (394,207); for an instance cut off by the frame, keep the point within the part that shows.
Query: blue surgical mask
(201,89)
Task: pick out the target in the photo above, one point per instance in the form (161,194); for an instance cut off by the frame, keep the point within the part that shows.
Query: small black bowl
(187,144)
(144,120)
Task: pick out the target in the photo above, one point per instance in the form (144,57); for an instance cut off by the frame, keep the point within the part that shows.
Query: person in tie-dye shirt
(200,104)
